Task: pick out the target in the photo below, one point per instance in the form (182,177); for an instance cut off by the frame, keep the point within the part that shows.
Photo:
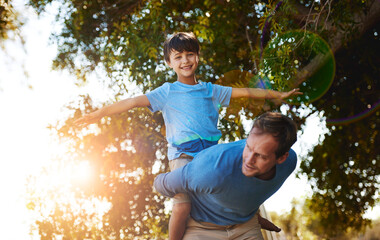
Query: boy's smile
(184,64)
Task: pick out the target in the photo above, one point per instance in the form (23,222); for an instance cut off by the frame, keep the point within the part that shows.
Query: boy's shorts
(177,163)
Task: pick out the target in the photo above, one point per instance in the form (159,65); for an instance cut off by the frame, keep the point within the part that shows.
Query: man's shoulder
(292,156)
(232,145)
(225,147)
(291,161)
(210,167)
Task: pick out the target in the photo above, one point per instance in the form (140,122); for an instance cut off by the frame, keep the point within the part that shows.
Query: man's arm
(258,93)
(169,184)
(118,107)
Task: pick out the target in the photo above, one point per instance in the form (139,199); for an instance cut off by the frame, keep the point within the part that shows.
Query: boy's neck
(188,81)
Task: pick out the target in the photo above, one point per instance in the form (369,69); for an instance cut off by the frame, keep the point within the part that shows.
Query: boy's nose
(185,59)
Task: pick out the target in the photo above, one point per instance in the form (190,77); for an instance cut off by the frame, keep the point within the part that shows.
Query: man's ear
(282,158)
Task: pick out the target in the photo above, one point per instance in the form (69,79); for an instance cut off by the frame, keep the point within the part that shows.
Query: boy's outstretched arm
(258,93)
(118,107)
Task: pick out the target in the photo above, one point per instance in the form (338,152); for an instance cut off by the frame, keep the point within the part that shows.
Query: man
(228,182)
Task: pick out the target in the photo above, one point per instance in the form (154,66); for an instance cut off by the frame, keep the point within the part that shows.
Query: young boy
(190,109)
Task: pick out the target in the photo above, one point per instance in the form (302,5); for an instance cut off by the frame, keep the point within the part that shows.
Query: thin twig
(251,48)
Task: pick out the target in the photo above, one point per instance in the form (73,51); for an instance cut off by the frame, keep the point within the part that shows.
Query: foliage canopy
(125,38)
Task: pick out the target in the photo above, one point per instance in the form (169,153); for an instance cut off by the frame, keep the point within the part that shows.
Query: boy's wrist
(101,113)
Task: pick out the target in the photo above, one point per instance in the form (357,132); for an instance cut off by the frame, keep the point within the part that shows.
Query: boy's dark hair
(279,126)
(181,41)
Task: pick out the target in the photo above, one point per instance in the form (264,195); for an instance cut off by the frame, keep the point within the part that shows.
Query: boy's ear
(282,158)
(168,63)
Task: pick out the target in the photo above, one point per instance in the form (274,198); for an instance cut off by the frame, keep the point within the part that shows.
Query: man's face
(183,63)
(259,158)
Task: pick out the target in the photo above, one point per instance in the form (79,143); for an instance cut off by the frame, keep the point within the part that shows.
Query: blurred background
(61,59)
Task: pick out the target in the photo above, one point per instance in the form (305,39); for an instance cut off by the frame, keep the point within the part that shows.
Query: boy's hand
(87,119)
(291,93)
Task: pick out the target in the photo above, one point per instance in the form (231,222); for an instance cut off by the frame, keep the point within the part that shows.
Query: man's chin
(249,173)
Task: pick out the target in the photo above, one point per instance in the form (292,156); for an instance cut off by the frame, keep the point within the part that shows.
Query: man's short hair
(181,41)
(279,126)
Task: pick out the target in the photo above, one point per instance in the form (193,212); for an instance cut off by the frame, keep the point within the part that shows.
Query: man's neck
(269,175)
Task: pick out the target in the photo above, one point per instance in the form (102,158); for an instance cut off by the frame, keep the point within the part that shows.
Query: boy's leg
(181,206)
(178,220)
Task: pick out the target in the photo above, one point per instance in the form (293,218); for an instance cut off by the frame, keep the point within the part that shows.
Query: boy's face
(184,64)
(259,155)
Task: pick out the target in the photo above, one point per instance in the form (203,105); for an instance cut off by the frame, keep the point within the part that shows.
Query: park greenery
(7,20)
(330,49)
(300,223)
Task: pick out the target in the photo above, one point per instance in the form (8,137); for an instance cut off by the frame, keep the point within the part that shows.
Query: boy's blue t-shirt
(190,113)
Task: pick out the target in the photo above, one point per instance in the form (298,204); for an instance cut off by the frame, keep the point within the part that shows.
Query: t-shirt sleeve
(158,97)
(222,95)
(170,184)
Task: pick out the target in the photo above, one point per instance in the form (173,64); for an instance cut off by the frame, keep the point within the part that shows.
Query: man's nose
(252,158)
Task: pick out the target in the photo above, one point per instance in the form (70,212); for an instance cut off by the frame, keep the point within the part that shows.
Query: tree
(345,166)
(302,223)
(10,22)
(295,224)
(244,43)
(373,231)
(10,25)
(6,19)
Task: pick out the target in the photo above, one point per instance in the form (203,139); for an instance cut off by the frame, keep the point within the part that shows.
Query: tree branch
(365,21)
(310,69)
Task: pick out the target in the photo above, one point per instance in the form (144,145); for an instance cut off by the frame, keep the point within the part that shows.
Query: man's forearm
(159,185)
(169,184)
